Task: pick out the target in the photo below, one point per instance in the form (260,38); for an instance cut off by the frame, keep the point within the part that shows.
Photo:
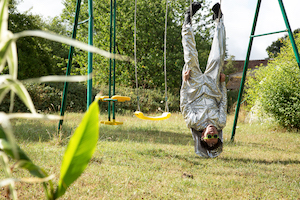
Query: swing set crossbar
(252,36)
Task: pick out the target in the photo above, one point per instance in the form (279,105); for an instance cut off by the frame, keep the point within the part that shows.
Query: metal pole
(114,60)
(290,32)
(245,70)
(110,60)
(70,57)
(165,59)
(90,55)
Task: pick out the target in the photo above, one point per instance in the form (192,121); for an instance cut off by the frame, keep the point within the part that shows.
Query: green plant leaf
(17,87)
(4,47)
(12,59)
(24,161)
(32,168)
(3,17)
(80,149)
(4,89)
(71,42)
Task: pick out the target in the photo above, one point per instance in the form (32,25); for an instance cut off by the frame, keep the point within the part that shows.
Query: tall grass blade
(4,161)
(4,46)
(17,87)
(80,149)
(3,17)
(4,89)
(12,59)
(59,78)
(32,168)
(71,42)
(6,133)
(24,161)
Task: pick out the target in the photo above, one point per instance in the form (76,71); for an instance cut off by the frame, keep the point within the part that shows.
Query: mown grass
(156,160)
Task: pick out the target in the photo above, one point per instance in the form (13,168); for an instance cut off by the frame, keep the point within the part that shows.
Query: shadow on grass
(42,132)
(261,146)
(142,135)
(160,153)
(260,161)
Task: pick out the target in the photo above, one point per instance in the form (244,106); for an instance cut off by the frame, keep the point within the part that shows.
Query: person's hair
(206,146)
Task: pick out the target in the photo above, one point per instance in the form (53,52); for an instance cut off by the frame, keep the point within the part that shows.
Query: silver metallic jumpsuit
(203,98)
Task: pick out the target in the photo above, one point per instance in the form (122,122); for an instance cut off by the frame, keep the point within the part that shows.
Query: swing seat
(117,98)
(101,98)
(121,98)
(113,122)
(141,115)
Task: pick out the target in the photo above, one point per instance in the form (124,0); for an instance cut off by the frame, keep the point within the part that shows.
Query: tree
(34,61)
(58,51)
(229,67)
(37,56)
(274,49)
(150,40)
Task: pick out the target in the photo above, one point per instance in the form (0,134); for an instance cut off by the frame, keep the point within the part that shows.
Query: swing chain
(165,59)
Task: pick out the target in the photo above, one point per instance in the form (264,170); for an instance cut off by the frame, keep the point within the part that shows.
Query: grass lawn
(156,160)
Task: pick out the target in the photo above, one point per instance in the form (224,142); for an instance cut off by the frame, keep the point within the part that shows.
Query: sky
(238,19)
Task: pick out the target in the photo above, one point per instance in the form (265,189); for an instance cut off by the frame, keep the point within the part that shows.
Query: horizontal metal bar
(83,21)
(269,33)
(110,99)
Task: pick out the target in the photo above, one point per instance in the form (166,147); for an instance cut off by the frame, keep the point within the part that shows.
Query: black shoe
(195,7)
(216,9)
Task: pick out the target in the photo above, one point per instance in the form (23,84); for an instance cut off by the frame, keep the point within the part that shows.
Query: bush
(277,88)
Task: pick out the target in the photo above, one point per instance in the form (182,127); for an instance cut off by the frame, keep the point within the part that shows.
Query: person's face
(210,130)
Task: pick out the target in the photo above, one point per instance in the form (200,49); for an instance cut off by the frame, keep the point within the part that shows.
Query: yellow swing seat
(117,98)
(113,122)
(114,98)
(141,115)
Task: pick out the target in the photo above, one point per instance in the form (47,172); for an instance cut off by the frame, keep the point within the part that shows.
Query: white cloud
(42,7)
(239,16)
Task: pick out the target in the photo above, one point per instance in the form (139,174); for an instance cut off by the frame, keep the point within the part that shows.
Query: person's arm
(186,75)
(222,77)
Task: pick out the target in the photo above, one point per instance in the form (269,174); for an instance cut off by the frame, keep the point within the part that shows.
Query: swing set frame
(252,36)
(112,97)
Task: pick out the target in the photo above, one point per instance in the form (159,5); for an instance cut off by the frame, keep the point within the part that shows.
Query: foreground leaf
(80,149)
(6,83)
(23,160)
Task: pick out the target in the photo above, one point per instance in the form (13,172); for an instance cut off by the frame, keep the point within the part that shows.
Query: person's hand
(186,75)
(222,77)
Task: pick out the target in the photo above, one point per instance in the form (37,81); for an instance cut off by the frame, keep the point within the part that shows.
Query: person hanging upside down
(203,96)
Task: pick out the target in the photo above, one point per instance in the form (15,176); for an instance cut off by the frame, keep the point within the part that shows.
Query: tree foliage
(229,67)
(47,55)
(150,40)
(274,49)
(277,87)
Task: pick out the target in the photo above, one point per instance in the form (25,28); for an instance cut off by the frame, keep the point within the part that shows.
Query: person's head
(210,138)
